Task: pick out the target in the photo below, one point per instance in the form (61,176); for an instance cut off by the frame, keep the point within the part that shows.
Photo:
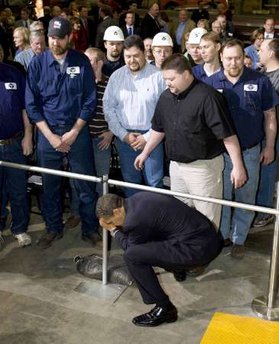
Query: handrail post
(105,237)
(266,307)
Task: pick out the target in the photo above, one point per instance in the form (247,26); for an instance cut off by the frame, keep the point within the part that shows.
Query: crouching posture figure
(158,230)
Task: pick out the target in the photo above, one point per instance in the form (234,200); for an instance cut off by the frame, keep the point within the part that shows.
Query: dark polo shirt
(195,122)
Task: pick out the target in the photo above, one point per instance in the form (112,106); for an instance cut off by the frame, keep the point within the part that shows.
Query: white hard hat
(196,35)
(113,33)
(162,39)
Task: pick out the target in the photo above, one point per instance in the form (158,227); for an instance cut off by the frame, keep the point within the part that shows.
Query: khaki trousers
(201,178)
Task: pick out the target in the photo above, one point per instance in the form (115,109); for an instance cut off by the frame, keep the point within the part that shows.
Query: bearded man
(60,100)
(251,99)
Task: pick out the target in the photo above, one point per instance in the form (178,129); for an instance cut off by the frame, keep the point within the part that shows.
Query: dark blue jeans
(153,171)
(14,184)
(80,159)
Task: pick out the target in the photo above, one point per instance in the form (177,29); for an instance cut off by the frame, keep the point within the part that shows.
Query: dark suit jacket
(88,34)
(136,31)
(123,23)
(101,30)
(152,217)
(20,23)
(149,27)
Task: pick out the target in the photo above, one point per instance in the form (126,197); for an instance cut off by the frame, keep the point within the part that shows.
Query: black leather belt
(12,139)
(250,147)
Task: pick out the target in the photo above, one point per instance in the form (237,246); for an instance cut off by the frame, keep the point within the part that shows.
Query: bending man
(158,230)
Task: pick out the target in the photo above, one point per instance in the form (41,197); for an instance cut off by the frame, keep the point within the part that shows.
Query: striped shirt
(98,124)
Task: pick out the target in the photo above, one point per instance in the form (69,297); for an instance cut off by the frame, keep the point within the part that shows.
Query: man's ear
(116,211)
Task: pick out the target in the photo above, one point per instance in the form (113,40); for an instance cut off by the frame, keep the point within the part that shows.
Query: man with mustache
(129,103)
(251,100)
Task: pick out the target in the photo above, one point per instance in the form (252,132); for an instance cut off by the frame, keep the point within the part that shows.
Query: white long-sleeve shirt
(129,101)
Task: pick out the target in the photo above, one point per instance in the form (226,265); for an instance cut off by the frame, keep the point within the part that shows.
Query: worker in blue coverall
(15,145)
(60,98)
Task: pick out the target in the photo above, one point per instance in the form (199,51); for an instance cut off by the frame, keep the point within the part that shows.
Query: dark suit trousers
(141,258)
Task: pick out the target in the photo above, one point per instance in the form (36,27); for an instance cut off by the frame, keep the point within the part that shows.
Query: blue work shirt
(60,98)
(253,53)
(199,72)
(248,98)
(12,89)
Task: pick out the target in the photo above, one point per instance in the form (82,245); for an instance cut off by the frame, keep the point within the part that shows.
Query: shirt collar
(242,78)
(184,94)
(51,60)
(139,73)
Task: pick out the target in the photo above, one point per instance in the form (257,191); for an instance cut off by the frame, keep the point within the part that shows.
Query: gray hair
(107,203)
(36,34)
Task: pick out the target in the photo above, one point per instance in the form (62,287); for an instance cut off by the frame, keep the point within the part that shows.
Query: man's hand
(238,176)
(106,140)
(139,143)
(139,161)
(267,155)
(131,138)
(106,225)
(57,144)
(70,136)
(27,145)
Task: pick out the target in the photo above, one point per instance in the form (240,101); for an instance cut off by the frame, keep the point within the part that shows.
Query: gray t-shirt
(274,78)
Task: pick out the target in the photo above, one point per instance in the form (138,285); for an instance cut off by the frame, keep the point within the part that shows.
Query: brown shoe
(47,239)
(72,222)
(237,251)
(227,242)
(93,238)
(197,271)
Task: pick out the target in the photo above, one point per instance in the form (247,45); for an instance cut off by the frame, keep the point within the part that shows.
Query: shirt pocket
(252,102)
(48,88)
(74,83)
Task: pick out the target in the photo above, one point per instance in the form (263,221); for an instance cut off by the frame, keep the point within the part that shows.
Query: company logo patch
(251,87)
(56,24)
(10,86)
(73,71)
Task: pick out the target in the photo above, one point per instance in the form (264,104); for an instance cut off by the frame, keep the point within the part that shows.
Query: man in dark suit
(131,6)
(150,25)
(24,20)
(269,29)
(105,14)
(87,28)
(158,230)
(130,28)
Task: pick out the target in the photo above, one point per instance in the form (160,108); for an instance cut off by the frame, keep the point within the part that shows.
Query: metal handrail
(263,307)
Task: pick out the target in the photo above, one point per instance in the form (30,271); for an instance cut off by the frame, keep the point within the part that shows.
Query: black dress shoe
(157,316)
(47,239)
(179,275)
(92,238)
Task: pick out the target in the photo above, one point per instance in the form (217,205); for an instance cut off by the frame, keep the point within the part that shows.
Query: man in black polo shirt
(194,120)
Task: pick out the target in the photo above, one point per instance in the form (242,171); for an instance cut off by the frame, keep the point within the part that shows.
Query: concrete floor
(43,299)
